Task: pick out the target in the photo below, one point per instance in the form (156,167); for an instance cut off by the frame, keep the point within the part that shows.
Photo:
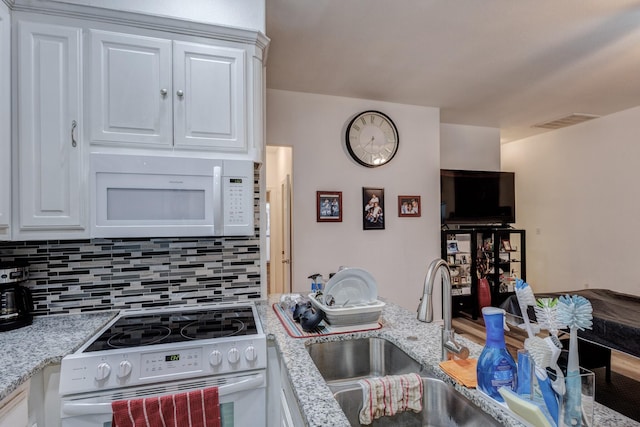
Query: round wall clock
(372,139)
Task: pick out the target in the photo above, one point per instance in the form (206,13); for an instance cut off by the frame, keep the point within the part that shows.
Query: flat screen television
(477,197)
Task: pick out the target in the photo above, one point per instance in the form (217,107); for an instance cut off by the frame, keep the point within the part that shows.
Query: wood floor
(621,363)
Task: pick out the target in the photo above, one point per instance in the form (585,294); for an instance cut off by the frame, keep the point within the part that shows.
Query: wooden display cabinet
(497,254)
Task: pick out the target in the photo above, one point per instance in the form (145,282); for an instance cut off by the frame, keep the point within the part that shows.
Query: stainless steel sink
(343,363)
(442,406)
(351,360)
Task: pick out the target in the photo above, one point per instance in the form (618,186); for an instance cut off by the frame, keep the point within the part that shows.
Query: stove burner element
(181,324)
(212,327)
(139,336)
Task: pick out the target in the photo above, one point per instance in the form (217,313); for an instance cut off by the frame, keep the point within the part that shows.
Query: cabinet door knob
(74,125)
(180,93)
(163,92)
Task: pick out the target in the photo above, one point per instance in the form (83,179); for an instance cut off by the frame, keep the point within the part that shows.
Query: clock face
(372,139)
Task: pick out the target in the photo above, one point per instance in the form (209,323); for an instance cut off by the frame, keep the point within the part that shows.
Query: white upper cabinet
(5,122)
(209,98)
(76,79)
(162,93)
(50,191)
(130,89)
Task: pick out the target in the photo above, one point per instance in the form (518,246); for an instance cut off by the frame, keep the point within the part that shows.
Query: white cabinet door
(147,91)
(291,415)
(130,89)
(209,82)
(51,183)
(14,409)
(5,122)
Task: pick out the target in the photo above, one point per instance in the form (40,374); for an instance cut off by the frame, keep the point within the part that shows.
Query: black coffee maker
(16,303)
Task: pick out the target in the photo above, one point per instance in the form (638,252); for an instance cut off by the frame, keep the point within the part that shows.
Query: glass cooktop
(138,330)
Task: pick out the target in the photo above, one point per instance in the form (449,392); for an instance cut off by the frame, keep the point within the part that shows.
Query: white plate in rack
(351,286)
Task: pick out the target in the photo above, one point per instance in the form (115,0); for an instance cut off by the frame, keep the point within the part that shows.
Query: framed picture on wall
(373,208)
(329,206)
(409,206)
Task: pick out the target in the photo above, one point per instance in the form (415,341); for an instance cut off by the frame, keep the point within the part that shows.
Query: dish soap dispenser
(496,367)
(316,283)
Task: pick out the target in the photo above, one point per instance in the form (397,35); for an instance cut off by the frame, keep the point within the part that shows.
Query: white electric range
(157,351)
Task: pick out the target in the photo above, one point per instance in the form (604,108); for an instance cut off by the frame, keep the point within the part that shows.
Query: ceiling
(508,64)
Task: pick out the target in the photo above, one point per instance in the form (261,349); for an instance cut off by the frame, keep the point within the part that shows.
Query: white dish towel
(386,396)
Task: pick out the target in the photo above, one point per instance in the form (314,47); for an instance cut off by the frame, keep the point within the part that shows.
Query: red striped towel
(386,396)
(199,408)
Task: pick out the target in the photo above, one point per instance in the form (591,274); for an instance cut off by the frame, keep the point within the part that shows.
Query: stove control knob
(103,371)
(233,356)
(215,358)
(250,354)
(124,369)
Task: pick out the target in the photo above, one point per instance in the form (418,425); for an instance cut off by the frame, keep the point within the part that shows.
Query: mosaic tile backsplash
(100,274)
(72,276)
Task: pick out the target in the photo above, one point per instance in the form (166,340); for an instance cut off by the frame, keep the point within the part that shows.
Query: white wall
(469,147)
(249,14)
(576,194)
(397,257)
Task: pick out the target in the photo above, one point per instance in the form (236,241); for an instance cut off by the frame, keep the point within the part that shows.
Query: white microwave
(155,196)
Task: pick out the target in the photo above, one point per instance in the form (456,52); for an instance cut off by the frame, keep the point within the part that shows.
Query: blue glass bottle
(496,367)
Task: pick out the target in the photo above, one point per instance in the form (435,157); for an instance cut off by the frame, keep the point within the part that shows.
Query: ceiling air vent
(569,120)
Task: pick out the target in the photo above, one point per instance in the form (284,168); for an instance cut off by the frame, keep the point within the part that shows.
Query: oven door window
(226,414)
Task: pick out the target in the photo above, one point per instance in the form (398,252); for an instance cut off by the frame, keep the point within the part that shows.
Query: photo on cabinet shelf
(465,270)
(506,245)
(452,247)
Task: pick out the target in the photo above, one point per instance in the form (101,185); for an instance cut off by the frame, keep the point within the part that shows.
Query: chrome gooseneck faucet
(425,309)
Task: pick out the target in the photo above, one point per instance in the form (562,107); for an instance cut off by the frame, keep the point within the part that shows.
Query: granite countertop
(50,338)
(419,340)
(46,341)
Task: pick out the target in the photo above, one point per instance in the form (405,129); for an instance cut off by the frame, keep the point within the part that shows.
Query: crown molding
(141,20)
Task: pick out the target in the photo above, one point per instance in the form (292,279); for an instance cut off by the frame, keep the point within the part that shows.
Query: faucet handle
(451,346)
(460,351)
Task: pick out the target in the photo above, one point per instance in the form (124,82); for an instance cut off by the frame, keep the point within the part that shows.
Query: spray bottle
(496,367)
(317,282)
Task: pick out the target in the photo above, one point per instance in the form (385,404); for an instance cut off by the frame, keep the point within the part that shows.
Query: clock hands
(370,141)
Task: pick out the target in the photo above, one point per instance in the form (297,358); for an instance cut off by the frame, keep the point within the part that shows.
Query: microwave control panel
(238,199)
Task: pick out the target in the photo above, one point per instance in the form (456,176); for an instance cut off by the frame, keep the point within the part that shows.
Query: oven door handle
(248,383)
(79,408)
